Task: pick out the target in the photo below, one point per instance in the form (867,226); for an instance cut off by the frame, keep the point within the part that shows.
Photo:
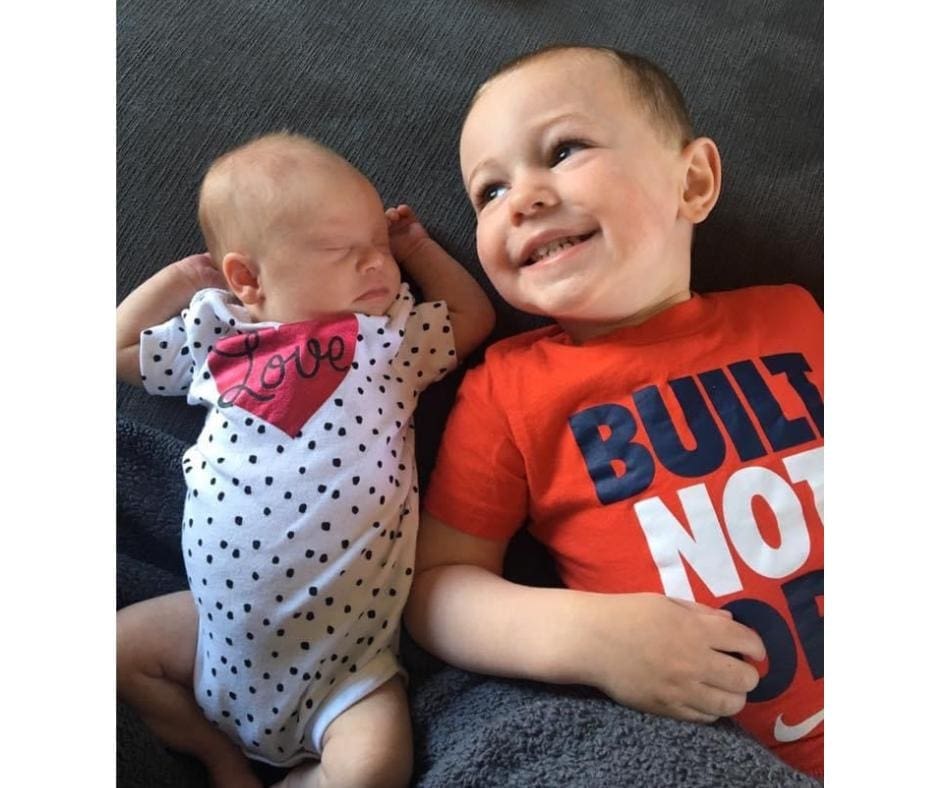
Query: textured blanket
(470,730)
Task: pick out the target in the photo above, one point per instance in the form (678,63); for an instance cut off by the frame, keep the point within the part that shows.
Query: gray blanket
(470,730)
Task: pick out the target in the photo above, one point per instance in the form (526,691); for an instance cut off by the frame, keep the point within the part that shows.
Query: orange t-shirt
(683,456)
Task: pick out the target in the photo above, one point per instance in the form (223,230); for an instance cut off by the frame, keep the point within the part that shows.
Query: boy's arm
(165,294)
(644,650)
(441,278)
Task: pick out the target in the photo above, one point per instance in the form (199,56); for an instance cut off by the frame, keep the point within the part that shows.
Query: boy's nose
(529,197)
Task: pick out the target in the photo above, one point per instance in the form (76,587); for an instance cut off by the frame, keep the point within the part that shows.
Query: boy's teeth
(553,247)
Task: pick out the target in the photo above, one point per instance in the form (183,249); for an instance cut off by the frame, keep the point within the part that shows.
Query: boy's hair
(249,186)
(647,82)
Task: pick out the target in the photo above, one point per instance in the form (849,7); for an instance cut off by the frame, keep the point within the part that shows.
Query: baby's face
(575,192)
(331,255)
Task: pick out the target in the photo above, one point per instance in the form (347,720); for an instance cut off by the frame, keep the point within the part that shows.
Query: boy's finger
(716,702)
(698,607)
(735,638)
(730,674)
(694,715)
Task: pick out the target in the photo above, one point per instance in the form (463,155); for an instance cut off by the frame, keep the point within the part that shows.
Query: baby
(297,335)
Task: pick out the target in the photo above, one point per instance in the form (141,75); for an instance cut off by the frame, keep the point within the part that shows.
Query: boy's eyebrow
(537,127)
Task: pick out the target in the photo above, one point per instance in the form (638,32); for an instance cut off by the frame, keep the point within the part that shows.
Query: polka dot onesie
(301,508)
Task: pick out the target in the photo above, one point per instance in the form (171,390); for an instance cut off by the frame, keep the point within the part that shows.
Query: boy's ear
(702,179)
(240,275)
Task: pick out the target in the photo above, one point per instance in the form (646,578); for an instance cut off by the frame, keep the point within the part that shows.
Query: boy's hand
(405,232)
(668,656)
(200,272)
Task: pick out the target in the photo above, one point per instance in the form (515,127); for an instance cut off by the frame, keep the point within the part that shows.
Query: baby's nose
(371,257)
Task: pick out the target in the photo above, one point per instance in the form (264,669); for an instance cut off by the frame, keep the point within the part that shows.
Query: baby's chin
(374,312)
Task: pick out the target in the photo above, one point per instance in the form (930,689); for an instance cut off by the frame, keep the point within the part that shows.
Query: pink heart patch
(284,374)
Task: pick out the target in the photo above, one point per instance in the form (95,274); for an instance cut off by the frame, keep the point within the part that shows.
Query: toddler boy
(665,446)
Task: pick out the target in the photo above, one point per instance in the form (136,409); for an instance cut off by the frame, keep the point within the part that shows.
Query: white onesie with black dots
(302,505)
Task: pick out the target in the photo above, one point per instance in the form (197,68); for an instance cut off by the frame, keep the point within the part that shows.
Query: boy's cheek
(492,245)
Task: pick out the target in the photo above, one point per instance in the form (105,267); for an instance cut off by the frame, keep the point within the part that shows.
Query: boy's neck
(581,331)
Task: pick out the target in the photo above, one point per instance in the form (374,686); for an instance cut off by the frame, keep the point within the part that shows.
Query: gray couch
(386,85)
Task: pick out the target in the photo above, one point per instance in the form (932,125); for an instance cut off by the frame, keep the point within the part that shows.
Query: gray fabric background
(385,84)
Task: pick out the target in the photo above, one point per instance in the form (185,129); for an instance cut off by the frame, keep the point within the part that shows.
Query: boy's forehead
(555,84)
(574,67)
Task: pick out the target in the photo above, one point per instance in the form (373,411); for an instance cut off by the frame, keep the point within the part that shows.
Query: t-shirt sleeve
(166,364)
(811,311)
(479,484)
(427,351)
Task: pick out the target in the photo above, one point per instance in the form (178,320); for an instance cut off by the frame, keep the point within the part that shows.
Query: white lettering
(807,466)
(740,491)
(705,549)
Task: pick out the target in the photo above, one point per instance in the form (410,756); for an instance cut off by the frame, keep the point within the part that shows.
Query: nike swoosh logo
(788,733)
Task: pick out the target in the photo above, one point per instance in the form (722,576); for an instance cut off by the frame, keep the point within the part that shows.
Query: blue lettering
(709,450)
(795,367)
(733,415)
(781,651)
(782,432)
(599,454)
(801,595)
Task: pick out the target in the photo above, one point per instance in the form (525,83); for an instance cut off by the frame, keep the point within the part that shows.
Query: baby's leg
(367,746)
(156,648)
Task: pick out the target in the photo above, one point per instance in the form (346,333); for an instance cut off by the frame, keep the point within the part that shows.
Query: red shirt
(682,455)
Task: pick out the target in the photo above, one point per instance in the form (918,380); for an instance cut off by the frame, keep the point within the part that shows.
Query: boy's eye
(563,150)
(490,192)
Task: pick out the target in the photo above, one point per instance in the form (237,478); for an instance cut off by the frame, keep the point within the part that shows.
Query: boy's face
(576,195)
(329,254)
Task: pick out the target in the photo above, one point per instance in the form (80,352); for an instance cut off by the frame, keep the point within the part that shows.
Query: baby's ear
(239,273)
(702,179)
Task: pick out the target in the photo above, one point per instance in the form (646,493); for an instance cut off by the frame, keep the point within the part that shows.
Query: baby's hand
(405,232)
(200,272)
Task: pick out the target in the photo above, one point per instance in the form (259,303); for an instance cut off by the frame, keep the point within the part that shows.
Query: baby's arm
(644,650)
(441,278)
(165,294)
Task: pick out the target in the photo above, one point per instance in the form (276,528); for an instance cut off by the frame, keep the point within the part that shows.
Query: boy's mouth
(553,247)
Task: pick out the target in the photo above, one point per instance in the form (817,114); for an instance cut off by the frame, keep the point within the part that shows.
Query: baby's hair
(654,88)
(254,178)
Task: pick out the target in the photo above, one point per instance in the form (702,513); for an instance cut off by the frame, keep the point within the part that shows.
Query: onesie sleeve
(479,484)
(427,353)
(166,363)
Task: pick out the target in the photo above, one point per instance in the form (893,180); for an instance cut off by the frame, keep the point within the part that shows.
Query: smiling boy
(665,446)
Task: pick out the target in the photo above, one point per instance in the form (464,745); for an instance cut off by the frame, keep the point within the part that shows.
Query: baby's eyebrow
(327,240)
